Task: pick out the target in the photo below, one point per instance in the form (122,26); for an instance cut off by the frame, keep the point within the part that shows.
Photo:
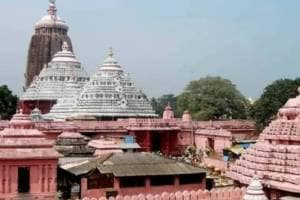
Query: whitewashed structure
(255,190)
(109,94)
(63,77)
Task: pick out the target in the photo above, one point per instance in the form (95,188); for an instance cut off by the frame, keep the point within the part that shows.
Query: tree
(8,103)
(160,103)
(274,97)
(213,98)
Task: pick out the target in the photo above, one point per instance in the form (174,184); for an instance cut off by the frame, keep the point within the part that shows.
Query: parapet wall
(216,194)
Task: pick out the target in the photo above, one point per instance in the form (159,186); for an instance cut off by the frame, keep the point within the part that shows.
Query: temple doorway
(23,180)
(156,142)
(211,143)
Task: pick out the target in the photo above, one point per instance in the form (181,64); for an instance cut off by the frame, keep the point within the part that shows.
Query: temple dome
(111,93)
(65,55)
(275,157)
(63,77)
(110,63)
(51,19)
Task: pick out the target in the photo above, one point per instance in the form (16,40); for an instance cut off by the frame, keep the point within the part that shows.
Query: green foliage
(8,103)
(213,98)
(274,97)
(160,103)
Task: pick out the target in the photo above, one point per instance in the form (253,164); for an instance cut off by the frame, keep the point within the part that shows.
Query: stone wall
(217,194)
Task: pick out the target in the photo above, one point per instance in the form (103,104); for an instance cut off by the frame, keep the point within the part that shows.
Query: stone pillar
(148,184)
(83,187)
(203,183)
(5,177)
(176,182)
(117,184)
(53,183)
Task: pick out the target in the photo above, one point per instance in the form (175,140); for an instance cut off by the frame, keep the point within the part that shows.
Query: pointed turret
(168,112)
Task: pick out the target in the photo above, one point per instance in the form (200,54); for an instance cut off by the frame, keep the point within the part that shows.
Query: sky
(166,44)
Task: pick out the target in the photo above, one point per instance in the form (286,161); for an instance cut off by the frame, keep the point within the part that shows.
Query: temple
(275,158)
(63,78)
(28,161)
(108,95)
(50,32)
(98,137)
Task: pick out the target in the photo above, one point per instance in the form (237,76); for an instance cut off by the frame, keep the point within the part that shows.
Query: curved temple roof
(112,93)
(51,19)
(63,77)
(109,93)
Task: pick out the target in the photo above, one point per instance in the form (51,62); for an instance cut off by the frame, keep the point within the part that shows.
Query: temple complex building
(50,32)
(275,158)
(63,78)
(110,94)
(28,162)
(132,173)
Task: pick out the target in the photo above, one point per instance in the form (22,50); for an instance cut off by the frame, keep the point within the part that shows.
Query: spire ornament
(65,46)
(52,8)
(110,52)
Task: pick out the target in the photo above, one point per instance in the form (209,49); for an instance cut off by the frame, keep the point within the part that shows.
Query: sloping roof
(134,164)
(80,168)
(145,164)
(237,149)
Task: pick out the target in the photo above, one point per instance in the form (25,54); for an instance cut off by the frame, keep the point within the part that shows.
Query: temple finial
(52,8)
(110,52)
(65,46)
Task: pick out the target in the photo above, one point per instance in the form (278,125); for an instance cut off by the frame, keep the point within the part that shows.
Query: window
(190,179)
(132,182)
(162,180)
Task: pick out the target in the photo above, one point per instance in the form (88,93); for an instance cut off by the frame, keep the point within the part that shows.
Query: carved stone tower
(50,32)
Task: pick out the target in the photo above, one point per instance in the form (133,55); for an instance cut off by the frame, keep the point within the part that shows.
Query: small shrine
(73,144)
(255,190)
(28,161)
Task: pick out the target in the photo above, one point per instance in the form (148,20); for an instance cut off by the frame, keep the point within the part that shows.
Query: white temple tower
(111,94)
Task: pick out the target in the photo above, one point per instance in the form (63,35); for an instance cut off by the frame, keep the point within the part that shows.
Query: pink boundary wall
(215,194)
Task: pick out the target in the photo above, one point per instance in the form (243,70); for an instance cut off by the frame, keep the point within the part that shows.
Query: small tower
(168,112)
(255,190)
(186,116)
